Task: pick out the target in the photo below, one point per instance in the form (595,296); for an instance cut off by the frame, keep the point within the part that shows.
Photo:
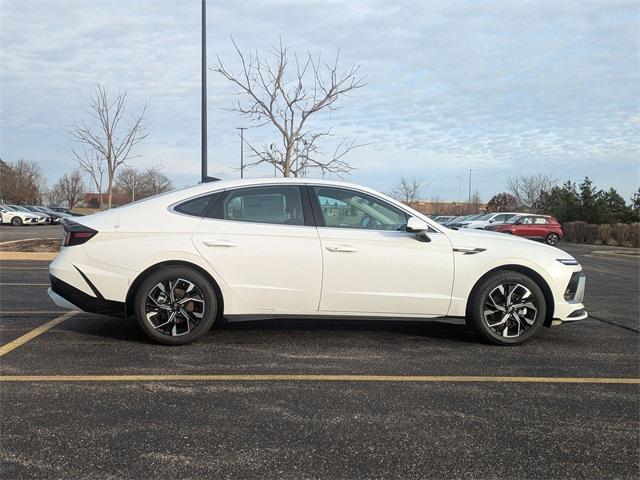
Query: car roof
(533,215)
(225,184)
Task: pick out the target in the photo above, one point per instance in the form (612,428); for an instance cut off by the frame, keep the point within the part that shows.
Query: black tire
(552,239)
(16,221)
(144,306)
(502,334)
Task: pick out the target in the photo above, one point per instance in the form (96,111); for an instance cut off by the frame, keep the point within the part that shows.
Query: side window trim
(310,219)
(315,206)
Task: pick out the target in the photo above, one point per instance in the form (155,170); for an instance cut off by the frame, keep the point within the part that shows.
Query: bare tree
(528,188)
(285,95)
(55,196)
(127,182)
(476,200)
(106,138)
(93,164)
(436,205)
(22,182)
(409,190)
(138,185)
(156,181)
(70,188)
(503,202)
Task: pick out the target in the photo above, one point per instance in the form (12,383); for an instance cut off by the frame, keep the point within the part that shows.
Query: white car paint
(7,214)
(269,269)
(495,219)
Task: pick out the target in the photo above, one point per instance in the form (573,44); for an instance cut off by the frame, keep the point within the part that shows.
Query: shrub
(605,233)
(621,233)
(575,231)
(591,233)
(634,234)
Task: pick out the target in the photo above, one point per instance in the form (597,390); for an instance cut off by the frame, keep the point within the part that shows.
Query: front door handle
(341,248)
(219,243)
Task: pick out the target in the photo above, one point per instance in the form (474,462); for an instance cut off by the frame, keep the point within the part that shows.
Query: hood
(511,244)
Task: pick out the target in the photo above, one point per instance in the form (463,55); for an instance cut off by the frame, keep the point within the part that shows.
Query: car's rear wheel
(552,239)
(16,221)
(175,305)
(507,308)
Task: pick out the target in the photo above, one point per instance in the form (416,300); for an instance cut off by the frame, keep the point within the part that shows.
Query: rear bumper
(68,296)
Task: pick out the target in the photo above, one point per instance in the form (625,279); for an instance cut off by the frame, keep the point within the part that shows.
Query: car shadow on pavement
(268,331)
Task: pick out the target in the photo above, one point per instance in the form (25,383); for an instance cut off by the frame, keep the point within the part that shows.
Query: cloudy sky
(500,87)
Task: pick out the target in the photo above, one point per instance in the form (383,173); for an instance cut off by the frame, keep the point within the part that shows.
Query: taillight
(76,234)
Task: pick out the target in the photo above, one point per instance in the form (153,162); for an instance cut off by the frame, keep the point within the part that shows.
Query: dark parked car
(532,226)
(67,211)
(53,217)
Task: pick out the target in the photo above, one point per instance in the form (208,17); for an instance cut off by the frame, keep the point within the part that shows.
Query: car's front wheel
(175,305)
(507,308)
(552,239)
(16,221)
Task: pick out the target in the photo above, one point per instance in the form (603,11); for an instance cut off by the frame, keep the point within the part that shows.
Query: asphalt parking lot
(247,401)
(9,233)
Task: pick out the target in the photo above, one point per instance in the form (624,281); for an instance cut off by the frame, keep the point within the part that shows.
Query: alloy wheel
(175,307)
(552,239)
(510,310)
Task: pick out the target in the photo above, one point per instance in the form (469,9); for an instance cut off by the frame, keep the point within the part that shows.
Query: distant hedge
(619,234)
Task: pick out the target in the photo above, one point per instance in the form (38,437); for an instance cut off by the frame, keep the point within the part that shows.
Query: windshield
(20,209)
(486,216)
(514,219)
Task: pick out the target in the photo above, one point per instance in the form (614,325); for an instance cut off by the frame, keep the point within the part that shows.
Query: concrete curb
(619,254)
(28,255)
(9,242)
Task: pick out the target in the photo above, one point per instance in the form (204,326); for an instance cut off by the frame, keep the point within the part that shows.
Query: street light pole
(242,129)
(203,115)
(469,186)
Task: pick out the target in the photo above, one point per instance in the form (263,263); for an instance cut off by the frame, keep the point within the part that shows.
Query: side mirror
(419,227)
(415,225)
(492,220)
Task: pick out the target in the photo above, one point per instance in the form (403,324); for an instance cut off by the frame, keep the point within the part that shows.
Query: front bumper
(572,309)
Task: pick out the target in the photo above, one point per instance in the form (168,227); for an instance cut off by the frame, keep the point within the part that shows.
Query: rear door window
(275,204)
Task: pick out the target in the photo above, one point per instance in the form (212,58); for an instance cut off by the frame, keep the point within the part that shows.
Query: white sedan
(14,216)
(301,248)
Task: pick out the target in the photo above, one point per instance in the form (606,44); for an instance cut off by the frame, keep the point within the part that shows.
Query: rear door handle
(341,248)
(219,243)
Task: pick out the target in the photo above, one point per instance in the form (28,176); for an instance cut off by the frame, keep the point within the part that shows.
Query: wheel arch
(535,276)
(145,273)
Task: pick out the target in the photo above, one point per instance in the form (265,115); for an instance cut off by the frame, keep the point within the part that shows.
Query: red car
(531,226)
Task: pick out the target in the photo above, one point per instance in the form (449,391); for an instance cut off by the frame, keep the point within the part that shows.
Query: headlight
(568,261)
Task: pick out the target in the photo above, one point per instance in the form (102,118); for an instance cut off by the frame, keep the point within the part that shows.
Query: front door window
(342,208)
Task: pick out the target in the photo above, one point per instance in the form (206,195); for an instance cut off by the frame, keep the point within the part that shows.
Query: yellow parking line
(25,268)
(30,312)
(312,378)
(6,348)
